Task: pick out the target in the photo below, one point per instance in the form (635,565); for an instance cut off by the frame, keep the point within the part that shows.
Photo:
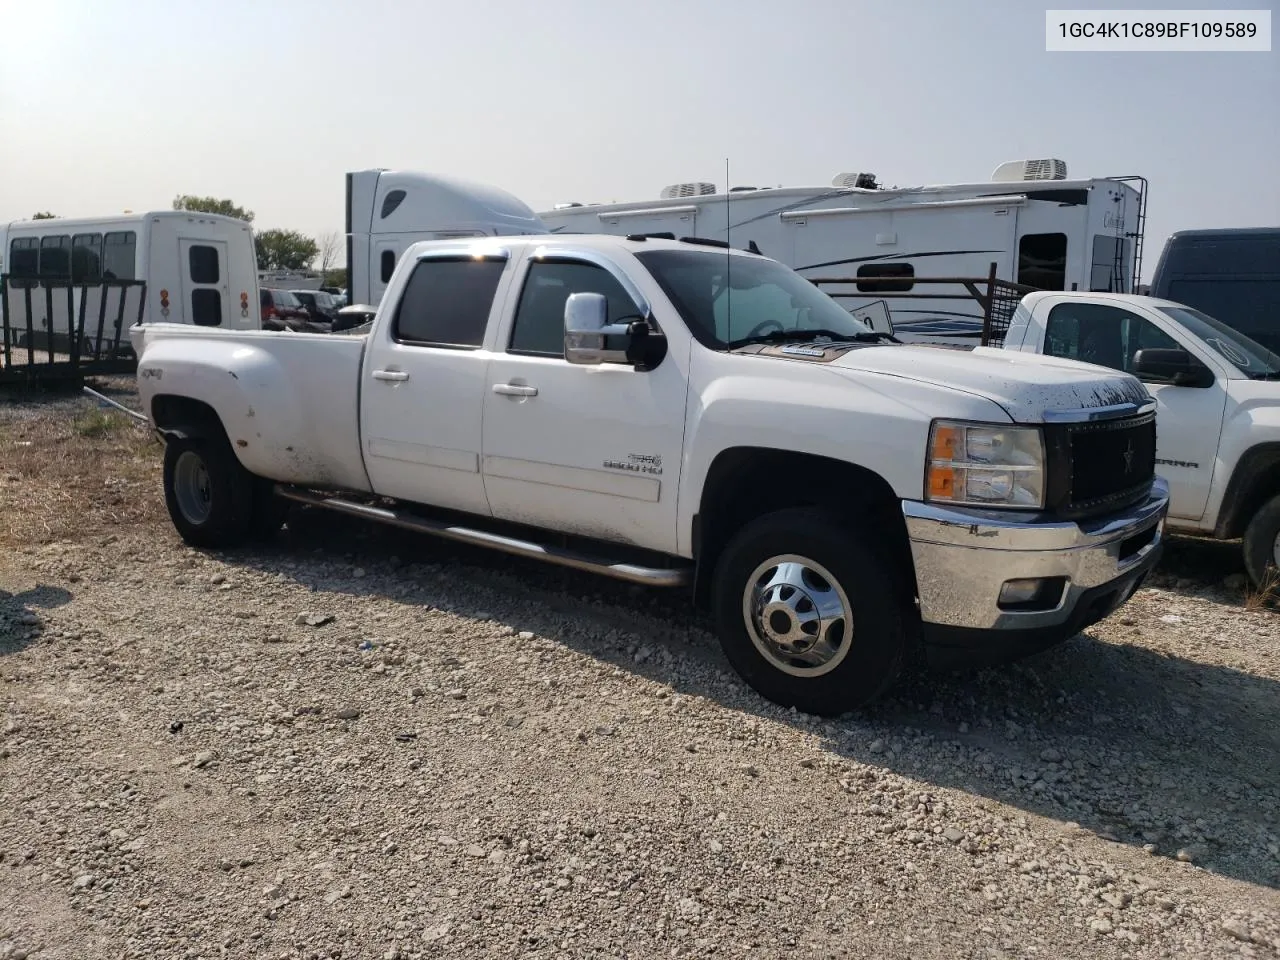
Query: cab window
(1105,335)
(539,323)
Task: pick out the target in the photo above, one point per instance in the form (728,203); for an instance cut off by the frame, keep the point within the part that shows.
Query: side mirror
(589,338)
(1172,366)
(358,312)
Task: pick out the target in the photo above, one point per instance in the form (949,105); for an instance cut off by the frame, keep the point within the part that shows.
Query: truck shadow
(1163,753)
(1211,570)
(20,621)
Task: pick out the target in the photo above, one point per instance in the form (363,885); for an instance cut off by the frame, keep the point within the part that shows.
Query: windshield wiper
(806,336)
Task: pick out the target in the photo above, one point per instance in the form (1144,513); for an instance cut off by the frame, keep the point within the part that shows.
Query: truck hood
(1028,387)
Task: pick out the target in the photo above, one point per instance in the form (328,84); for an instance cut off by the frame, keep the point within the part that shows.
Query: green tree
(336,277)
(45,215)
(226,208)
(285,250)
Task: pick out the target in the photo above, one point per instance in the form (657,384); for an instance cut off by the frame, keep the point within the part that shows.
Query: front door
(590,450)
(206,292)
(1188,419)
(424,383)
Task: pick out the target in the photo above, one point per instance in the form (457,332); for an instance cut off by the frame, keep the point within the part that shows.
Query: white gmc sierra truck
(676,413)
(1217,403)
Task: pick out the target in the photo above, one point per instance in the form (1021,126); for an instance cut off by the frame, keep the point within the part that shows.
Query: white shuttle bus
(1039,228)
(198,268)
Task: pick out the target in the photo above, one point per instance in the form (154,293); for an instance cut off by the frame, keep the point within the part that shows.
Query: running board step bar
(632,573)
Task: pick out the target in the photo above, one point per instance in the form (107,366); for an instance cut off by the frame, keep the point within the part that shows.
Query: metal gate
(58,331)
(997,298)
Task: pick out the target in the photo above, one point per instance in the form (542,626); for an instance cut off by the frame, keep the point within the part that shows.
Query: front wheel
(1262,542)
(208,493)
(809,613)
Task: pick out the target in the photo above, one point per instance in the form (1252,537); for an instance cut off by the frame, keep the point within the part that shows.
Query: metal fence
(997,298)
(55,330)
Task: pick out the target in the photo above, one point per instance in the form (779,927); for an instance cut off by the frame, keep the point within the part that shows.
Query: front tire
(808,613)
(208,493)
(1262,542)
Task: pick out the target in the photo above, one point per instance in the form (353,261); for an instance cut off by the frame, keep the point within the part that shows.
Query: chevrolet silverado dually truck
(677,413)
(1217,402)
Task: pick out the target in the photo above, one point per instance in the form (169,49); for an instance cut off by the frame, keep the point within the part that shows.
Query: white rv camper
(1039,228)
(198,268)
(388,210)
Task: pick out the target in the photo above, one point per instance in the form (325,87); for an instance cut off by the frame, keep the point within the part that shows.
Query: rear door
(205,287)
(424,381)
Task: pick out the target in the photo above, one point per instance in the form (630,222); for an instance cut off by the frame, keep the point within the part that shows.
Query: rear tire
(1260,542)
(809,613)
(209,494)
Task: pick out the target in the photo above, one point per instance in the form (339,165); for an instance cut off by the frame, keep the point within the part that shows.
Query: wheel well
(185,417)
(748,482)
(1255,480)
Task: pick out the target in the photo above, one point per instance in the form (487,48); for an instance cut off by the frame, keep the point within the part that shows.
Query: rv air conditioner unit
(1016,170)
(859,181)
(678,191)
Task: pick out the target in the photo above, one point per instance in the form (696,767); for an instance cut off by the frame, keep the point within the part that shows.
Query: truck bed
(309,383)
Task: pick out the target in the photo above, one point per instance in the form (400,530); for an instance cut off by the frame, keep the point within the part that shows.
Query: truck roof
(1224,233)
(634,243)
(1119,298)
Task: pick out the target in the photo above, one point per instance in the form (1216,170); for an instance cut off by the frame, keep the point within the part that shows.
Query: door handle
(394,376)
(515,390)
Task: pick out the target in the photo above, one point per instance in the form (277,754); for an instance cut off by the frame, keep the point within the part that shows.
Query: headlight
(983,465)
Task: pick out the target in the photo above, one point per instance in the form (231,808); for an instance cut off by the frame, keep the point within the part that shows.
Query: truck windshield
(762,300)
(1249,356)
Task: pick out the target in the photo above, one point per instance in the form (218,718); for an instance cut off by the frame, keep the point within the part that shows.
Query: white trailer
(198,268)
(1041,230)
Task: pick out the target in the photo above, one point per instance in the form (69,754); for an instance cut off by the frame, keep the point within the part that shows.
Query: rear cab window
(447,301)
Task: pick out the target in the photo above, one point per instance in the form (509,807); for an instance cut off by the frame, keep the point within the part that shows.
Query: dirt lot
(354,743)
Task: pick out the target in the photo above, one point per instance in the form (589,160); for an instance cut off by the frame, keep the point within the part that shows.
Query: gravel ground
(355,743)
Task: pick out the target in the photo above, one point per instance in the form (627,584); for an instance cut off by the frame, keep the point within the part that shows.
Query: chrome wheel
(798,616)
(191,487)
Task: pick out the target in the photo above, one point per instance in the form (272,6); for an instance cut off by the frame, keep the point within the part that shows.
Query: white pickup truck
(1217,405)
(674,413)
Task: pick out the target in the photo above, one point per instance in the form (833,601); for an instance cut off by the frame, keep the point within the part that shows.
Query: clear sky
(107,106)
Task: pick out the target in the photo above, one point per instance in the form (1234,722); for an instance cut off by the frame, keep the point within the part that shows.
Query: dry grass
(1267,593)
(72,472)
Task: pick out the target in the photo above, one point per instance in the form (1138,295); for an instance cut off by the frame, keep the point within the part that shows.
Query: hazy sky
(107,106)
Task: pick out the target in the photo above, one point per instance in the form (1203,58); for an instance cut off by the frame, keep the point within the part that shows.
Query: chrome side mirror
(588,336)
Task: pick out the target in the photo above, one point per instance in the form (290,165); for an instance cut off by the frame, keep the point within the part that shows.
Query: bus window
(86,258)
(55,259)
(118,252)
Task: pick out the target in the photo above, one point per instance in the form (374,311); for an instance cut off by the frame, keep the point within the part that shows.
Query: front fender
(824,413)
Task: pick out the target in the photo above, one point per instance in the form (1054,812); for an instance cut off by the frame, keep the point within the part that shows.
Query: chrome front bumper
(963,557)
